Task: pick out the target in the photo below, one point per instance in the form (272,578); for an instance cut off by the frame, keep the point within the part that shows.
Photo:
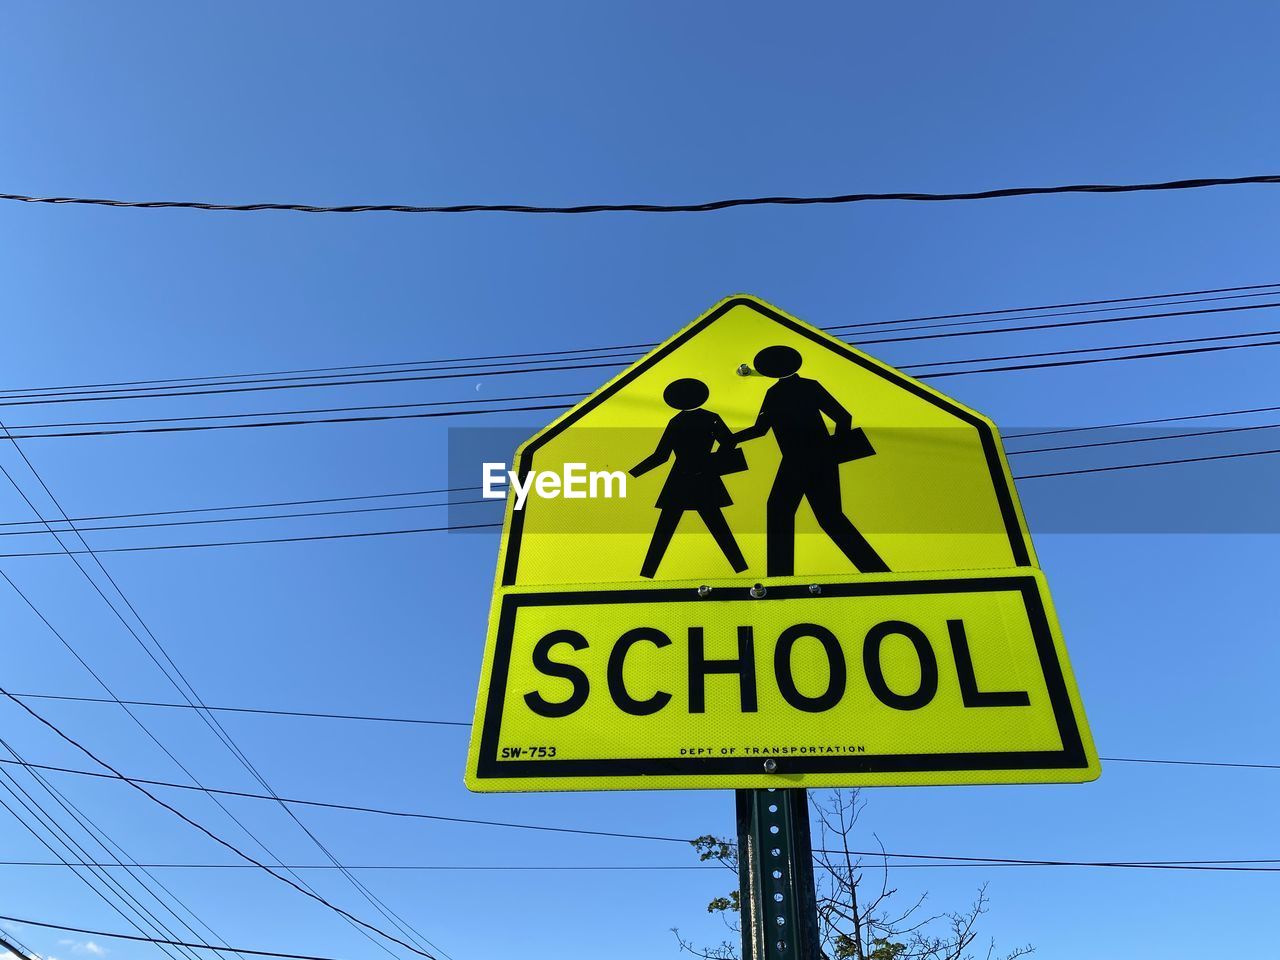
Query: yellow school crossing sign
(759,557)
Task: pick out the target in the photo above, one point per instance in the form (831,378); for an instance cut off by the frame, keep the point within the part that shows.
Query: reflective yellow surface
(926,500)
(591,676)
(1020,720)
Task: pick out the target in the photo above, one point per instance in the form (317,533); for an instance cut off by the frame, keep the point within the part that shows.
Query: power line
(611,353)
(498,501)
(1217,432)
(113,848)
(338,379)
(252,710)
(477,526)
(1135,466)
(1131,423)
(514,825)
(275,516)
(447,372)
(361,926)
(702,207)
(55,390)
(137,924)
(1187,864)
(976,862)
(233,543)
(473,488)
(1042,307)
(288,423)
(17,947)
(138,785)
(498,410)
(103,841)
(578,395)
(1159,355)
(158,941)
(181,766)
(75,653)
(1243,866)
(327,383)
(1207,865)
(466,724)
(11,945)
(336,370)
(253,506)
(574,395)
(142,726)
(191,696)
(485,867)
(132,716)
(1194,763)
(496,525)
(1103,349)
(1059,325)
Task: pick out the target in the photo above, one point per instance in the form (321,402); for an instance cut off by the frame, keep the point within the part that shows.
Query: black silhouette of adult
(793,410)
(694,481)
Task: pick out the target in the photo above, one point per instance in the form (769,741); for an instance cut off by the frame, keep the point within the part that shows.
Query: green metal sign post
(775,873)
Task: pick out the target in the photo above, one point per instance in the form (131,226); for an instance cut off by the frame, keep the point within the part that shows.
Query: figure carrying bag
(851,444)
(729,460)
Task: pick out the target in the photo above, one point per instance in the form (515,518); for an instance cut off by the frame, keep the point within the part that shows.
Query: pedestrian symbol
(793,411)
(694,481)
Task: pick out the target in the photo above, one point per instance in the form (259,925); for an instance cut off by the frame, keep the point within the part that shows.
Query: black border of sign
(1071,756)
(1004,496)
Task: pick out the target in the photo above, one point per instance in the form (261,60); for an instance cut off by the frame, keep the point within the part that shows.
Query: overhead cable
(231,377)
(420,374)
(1019,435)
(158,941)
(1163,354)
(706,206)
(496,525)
(112,848)
(188,693)
(1181,863)
(138,786)
(466,724)
(500,501)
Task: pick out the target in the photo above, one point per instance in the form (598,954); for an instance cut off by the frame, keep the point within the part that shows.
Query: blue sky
(571,103)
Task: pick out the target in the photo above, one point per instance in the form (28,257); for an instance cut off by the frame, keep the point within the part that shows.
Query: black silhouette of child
(793,410)
(694,481)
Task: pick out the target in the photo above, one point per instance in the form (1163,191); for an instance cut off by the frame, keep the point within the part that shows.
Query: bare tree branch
(725,951)
(853,926)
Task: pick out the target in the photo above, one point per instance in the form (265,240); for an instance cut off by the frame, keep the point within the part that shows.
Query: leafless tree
(860,915)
